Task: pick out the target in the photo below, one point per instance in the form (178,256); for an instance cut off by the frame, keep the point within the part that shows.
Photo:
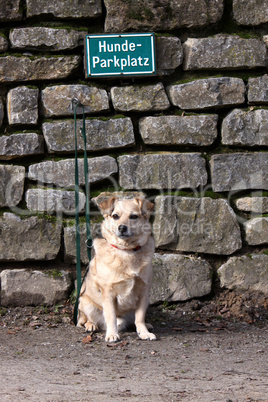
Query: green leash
(77,227)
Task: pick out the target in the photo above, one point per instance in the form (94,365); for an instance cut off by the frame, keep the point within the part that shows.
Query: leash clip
(89,243)
(76,102)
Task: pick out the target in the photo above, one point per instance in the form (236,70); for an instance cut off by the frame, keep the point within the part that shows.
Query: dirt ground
(207,350)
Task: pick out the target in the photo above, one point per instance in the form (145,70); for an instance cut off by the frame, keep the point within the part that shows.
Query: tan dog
(120,275)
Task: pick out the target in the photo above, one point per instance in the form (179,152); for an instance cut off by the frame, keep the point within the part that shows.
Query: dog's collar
(127,249)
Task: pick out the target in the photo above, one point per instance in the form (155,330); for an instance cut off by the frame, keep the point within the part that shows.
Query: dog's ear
(106,207)
(146,206)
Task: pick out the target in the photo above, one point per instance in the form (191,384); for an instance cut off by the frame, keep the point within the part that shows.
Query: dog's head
(126,220)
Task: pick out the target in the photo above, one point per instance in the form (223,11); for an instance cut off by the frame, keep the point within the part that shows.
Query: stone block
(10,11)
(239,171)
(20,287)
(1,112)
(258,90)
(61,173)
(14,68)
(54,201)
(200,225)
(100,134)
(208,93)
(29,239)
(93,98)
(22,105)
(179,278)
(42,38)
(198,130)
(245,128)
(3,44)
(223,52)
(119,194)
(143,98)
(70,242)
(11,185)
(162,171)
(246,273)
(160,16)
(64,8)
(257,205)
(250,12)
(21,145)
(169,53)
(256,231)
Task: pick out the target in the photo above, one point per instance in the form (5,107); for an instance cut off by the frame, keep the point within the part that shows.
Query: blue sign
(120,55)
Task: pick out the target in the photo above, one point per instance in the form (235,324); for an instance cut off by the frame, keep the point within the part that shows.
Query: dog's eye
(115,217)
(133,216)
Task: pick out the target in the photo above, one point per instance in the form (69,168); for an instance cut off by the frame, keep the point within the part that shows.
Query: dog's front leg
(140,313)
(109,313)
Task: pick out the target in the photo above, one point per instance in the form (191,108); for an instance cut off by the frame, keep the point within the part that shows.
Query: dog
(116,288)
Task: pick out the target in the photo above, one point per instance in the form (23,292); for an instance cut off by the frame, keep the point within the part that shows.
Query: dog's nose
(122,229)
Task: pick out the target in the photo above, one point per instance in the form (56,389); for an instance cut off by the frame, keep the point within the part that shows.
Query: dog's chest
(128,293)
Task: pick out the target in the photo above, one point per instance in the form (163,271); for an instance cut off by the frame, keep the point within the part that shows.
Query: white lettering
(103,63)
(140,61)
(132,47)
(134,62)
(109,61)
(96,61)
(116,62)
(110,47)
(125,46)
(146,61)
(117,47)
(102,46)
(123,63)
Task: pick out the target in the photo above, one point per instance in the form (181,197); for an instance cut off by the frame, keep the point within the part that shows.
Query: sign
(120,55)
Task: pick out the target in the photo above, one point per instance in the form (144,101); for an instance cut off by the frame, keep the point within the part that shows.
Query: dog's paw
(147,335)
(112,337)
(90,327)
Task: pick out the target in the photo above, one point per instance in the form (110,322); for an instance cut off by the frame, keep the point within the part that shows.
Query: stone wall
(193,138)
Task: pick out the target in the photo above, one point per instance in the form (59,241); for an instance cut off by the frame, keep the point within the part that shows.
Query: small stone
(156,171)
(61,173)
(13,68)
(140,98)
(223,52)
(65,9)
(100,134)
(10,11)
(201,225)
(20,287)
(169,53)
(258,90)
(57,100)
(136,16)
(179,278)
(22,105)
(3,44)
(38,239)
(245,128)
(11,185)
(21,145)
(198,130)
(252,204)
(41,38)
(256,230)
(239,171)
(51,201)
(208,93)
(246,273)
(250,12)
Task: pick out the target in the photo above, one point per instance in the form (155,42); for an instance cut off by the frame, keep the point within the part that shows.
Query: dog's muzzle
(122,231)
